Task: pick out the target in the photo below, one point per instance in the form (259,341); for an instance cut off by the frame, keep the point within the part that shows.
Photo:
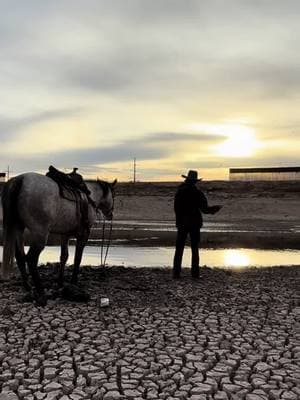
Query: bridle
(105,189)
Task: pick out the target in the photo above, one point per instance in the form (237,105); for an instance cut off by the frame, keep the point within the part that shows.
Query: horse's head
(106,200)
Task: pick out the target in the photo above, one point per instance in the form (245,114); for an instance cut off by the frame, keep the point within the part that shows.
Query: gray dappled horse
(33,201)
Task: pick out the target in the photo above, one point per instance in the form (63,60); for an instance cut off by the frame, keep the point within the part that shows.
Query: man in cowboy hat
(189,203)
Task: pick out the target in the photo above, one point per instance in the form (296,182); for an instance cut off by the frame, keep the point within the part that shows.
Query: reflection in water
(236,258)
(137,256)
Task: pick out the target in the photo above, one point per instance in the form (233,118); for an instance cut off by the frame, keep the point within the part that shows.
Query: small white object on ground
(104,302)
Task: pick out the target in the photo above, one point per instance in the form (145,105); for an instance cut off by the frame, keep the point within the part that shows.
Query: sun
(236,258)
(240,138)
(241,141)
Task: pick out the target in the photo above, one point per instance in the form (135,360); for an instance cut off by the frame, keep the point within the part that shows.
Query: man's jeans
(182,233)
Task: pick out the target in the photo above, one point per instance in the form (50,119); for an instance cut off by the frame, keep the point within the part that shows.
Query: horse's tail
(9,199)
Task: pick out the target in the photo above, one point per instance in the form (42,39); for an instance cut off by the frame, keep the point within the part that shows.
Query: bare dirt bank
(254,214)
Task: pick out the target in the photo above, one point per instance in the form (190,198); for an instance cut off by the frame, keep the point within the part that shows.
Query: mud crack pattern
(227,336)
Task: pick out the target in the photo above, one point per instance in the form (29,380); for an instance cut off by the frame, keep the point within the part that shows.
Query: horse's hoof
(27,286)
(40,299)
(57,285)
(73,282)
(54,293)
(28,298)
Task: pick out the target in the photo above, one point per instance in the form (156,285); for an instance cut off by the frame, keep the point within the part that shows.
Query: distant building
(265,174)
(2,176)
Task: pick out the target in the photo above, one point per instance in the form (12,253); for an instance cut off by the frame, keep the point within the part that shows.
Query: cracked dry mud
(230,335)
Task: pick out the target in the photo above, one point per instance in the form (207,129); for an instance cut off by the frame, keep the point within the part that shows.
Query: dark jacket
(188,205)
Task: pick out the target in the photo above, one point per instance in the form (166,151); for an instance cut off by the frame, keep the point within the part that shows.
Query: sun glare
(239,138)
(236,258)
(241,141)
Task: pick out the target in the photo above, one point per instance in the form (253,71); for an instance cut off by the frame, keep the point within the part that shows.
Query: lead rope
(102,243)
(103,259)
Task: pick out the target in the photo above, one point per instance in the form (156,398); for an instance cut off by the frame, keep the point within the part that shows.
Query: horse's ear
(114,183)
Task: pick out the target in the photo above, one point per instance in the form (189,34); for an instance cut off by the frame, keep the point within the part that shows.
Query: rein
(104,253)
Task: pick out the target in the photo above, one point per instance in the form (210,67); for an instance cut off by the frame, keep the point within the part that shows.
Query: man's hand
(215,209)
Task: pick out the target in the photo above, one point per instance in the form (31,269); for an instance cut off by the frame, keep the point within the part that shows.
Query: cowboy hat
(192,176)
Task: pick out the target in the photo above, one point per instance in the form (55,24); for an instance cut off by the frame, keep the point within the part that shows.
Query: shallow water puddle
(138,256)
(169,226)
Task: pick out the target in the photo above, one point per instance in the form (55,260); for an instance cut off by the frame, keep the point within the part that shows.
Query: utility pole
(8,172)
(134,170)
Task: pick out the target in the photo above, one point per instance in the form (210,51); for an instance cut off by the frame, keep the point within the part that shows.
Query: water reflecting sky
(163,256)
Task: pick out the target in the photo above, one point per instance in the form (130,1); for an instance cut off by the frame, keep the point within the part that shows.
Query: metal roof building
(2,176)
(265,174)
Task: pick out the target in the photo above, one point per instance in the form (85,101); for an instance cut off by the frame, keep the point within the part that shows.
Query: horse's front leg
(64,254)
(80,244)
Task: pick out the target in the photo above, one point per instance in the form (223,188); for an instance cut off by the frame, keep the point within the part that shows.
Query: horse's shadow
(68,291)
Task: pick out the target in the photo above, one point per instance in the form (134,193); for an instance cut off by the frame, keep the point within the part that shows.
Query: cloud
(84,157)
(148,147)
(185,137)
(9,127)
(192,60)
(165,49)
(265,79)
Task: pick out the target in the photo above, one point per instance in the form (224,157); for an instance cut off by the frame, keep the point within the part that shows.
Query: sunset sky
(178,84)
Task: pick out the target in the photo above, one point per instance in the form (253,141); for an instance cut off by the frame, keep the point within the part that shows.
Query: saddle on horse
(72,187)
(73,180)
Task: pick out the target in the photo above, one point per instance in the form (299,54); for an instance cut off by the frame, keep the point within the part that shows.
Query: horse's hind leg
(32,261)
(37,245)
(21,258)
(64,254)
